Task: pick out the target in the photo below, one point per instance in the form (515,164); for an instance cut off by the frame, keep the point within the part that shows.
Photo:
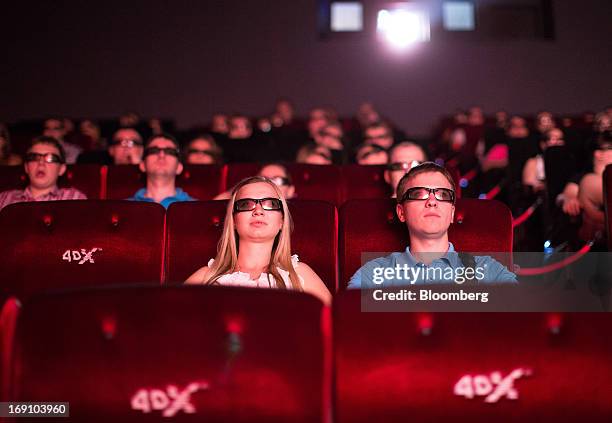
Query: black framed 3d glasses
(47,157)
(129,143)
(168,151)
(423,193)
(249,204)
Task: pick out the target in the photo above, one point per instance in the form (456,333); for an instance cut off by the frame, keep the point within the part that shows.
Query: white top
(244,279)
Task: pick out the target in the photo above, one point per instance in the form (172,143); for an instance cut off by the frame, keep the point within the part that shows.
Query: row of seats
(334,184)
(236,355)
(93,242)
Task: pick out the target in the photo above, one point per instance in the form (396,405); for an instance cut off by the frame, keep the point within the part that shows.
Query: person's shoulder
(73,193)
(199,275)
(491,270)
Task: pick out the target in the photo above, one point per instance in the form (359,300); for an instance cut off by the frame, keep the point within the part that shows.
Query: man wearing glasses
(45,162)
(402,157)
(126,148)
(161,164)
(427,206)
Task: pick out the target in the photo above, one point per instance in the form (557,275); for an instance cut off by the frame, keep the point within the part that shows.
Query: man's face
(279,177)
(545,122)
(379,135)
(427,219)
(240,128)
(196,152)
(316,121)
(370,155)
(603,155)
(54,128)
(555,139)
(405,155)
(126,147)
(42,174)
(161,162)
(330,136)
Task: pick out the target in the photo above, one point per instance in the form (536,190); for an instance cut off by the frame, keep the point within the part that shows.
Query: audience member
(426,204)
(54,127)
(45,162)
(203,150)
(162,164)
(7,157)
(255,247)
(402,157)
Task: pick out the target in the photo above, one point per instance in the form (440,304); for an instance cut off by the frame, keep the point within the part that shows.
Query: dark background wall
(188,59)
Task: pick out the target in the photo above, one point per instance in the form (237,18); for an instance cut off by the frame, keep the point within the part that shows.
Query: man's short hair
(379,124)
(165,136)
(425,167)
(406,144)
(44,139)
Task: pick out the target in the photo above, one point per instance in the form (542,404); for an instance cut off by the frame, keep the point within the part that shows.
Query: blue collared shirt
(179,196)
(402,268)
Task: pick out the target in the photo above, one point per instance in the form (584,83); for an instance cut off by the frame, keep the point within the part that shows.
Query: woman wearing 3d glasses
(255,248)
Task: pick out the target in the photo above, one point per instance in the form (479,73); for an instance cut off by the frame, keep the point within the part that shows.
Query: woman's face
(258,225)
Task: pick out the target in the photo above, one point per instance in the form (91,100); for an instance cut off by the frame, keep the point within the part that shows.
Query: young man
(45,162)
(161,164)
(426,204)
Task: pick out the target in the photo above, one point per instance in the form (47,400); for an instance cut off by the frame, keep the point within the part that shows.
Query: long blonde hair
(226,260)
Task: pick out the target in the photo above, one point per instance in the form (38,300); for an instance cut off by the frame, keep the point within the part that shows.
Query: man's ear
(62,169)
(179,168)
(400,212)
(387,176)
(141,166)
(453,214)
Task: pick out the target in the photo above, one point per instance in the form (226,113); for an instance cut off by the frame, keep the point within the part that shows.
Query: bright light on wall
(403,27)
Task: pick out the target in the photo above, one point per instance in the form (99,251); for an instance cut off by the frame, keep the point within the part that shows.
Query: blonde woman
(255,247)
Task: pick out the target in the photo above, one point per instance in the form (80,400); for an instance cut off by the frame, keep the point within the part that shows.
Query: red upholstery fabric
(122,181)
(260,353)
(86,178)
(389,369)
(364,182)
(480,226)
(45,245)
(194,229)
(200,181)
(238,171)
(317,182)
(312,182)
(9,310)
(607,183)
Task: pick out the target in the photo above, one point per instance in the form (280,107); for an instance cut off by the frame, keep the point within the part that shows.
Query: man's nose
(431,201)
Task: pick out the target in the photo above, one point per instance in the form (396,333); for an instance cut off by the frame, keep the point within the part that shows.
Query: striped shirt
(24,195)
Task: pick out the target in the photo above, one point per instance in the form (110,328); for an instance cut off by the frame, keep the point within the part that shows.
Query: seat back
(359,182)
(122,181)
(607,185)
(85,178)
(194,229)
(194,353)
(201,181)
(469,367)
(57,244)
(481,226)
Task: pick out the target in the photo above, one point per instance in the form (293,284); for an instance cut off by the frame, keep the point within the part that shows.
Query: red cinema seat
(470,367)
(607,186)
(361,182)
(203,182)
(58,244)
(312,182)
(193,230)
(122,181)
(317,182)
(185,354)
(236,172)
(371,226)
(86,178)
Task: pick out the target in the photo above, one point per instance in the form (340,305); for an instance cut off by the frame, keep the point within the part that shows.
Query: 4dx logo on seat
(81,256)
